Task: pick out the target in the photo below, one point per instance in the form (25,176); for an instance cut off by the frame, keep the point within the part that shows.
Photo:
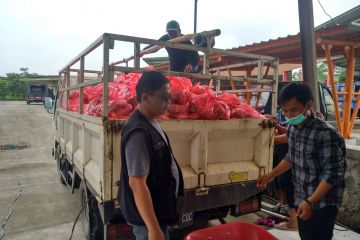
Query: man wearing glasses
(151,180)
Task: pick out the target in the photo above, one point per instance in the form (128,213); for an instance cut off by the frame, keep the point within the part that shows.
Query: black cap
(173,26)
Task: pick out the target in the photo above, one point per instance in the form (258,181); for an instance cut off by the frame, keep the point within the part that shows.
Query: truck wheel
(63,167)
(57,156)
(28,102)
(90,218)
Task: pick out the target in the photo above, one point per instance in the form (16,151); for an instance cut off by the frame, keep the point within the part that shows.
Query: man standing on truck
(316,155)
(151,180)
(181,60)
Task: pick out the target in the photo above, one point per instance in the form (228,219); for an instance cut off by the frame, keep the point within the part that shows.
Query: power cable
(77,217)
(10,212)
(327,13)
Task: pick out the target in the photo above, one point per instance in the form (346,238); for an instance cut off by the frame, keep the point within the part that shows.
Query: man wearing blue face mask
(317,156)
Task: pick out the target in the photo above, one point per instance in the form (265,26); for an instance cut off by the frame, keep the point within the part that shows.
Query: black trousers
(284,181)
(320,226)
(287,185)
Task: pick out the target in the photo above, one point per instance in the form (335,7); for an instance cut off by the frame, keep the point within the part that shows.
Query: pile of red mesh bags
(188,101)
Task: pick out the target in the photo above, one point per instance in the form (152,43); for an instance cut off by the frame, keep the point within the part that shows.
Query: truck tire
(27,102)
(63,167)
(57,156)
(90,218)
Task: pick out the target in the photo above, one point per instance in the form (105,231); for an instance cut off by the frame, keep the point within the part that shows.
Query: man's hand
(304,211)
(188,68)
(156,235)
(283,166)
(145,206)
(263,180)
(320,115)
(270,116)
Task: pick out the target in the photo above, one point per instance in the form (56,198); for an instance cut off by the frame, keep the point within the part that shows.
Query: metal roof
(153,61)
(350,18)
(288,50)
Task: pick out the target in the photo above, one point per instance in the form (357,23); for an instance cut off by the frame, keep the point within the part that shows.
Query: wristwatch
(311,204)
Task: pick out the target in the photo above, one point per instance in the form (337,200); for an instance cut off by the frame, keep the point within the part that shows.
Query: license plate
(186,219)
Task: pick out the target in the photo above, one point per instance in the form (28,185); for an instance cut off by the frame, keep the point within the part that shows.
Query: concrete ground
(46,209)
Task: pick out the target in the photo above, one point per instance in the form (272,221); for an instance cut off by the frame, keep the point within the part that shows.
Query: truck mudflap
(217,198)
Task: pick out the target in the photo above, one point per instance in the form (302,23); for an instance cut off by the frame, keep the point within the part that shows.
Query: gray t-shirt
(137,156)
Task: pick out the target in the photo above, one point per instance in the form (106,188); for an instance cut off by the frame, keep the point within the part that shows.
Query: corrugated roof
(345,19)
(348,18)
(288,49)
(153,61)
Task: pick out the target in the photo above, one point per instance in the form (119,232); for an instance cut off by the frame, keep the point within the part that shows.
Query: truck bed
(209,152)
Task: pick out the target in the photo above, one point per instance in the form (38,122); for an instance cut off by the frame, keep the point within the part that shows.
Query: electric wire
(327,13)
(2,226)
(77,217)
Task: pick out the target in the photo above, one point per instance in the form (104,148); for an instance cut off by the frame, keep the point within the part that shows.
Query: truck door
(328,102)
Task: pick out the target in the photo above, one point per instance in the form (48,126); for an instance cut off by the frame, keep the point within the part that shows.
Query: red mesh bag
(93,92)
(207,106)
(203,105)
(221,110)
(132,101)
(177,111)
(130,80)
(94,107)
(188,101)
(245,111)
(73,104)
(179,87)
(119,109)
(201,89)
(231,100)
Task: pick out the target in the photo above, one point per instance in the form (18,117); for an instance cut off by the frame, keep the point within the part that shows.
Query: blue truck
(341,88)
(36,92)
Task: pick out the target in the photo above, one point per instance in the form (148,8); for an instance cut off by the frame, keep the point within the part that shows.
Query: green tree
(11,88)
(340,74)
(322,72)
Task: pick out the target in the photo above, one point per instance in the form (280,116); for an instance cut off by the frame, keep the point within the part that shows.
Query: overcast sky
(44,35)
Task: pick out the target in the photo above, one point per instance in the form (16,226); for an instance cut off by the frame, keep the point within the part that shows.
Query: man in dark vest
(151,180)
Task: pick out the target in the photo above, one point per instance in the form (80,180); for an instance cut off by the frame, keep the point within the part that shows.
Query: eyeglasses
(165,98)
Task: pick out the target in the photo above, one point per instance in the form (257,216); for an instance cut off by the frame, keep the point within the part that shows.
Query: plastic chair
(233,231)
